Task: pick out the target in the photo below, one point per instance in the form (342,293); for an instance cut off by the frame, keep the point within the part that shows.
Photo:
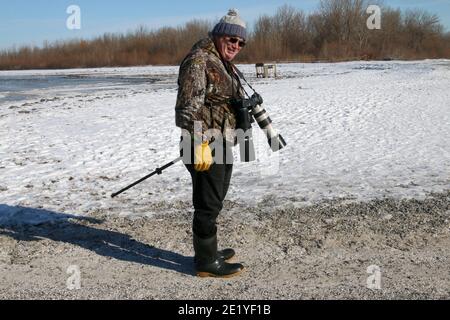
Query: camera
(248,110)
(244,120)
(243,108)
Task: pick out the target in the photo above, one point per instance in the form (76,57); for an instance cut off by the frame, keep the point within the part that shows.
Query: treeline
(141,47)
(336,31)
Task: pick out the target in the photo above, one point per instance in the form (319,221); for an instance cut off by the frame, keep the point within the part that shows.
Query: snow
(99,72)
(355,130)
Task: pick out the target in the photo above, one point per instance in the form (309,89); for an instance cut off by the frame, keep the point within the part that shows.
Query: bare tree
(420,25)
(336,31)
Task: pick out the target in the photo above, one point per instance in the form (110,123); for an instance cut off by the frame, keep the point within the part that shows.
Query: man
(207,85)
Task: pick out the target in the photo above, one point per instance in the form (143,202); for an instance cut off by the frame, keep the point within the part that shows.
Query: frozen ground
(364,181)
(357,130)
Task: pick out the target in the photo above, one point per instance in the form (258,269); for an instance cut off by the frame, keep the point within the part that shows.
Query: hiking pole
(157,171)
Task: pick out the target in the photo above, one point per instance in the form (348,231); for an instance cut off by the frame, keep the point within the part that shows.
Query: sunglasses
(234,40)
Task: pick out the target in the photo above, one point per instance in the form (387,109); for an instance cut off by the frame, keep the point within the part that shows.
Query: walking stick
(157,171)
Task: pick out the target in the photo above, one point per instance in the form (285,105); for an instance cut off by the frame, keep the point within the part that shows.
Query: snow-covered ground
(355,130)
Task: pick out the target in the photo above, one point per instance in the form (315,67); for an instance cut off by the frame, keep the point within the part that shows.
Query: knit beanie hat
(231,25)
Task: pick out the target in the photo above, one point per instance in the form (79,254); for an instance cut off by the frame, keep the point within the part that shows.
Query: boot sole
(212,275)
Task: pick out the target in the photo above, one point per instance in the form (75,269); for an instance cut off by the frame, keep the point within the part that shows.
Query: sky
(24,22)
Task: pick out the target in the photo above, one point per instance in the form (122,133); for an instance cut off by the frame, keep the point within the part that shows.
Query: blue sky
(25,22)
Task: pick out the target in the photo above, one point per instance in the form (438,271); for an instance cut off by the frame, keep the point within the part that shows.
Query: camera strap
(241,75)
(231,70)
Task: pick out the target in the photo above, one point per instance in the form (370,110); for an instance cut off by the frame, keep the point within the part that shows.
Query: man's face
(229,47)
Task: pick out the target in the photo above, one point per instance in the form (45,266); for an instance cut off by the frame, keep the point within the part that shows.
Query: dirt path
(322,251)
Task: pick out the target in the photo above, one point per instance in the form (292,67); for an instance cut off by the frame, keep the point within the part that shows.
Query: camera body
(247,111)
(244,120)
(243,108)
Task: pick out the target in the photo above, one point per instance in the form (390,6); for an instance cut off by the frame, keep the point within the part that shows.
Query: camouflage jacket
(205,90)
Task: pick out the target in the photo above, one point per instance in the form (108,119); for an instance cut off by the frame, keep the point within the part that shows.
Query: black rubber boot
(226,254)
(208,263)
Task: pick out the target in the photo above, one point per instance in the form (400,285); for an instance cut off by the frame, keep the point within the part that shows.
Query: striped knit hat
(231,25)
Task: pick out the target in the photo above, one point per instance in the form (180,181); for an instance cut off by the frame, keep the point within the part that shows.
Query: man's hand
(202,157)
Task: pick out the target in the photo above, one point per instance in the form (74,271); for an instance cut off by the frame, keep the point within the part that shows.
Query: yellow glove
(202,157)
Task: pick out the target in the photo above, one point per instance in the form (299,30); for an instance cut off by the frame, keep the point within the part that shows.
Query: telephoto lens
(276,141)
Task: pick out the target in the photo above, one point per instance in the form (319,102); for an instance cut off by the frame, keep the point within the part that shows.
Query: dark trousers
(209,190)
